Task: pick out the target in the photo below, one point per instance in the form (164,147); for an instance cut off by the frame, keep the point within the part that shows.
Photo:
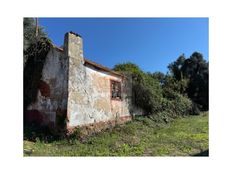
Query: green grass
(142,137)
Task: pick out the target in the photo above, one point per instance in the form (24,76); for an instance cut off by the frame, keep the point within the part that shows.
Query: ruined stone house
(82,91)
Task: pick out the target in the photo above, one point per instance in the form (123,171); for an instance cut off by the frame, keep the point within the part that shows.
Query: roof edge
(98,66)
(56,47)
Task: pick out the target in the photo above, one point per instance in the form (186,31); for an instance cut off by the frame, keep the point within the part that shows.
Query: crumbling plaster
(54,76)
(78,90)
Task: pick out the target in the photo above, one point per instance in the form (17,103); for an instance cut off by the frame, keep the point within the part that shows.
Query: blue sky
(151,43)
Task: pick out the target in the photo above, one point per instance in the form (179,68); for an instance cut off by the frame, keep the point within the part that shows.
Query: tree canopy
(195,71)
(183,90)
(29,34)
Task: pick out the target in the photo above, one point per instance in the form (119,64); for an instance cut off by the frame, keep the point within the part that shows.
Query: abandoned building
(82,91)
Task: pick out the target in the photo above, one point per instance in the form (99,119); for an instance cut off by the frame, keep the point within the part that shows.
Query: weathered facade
(83,92)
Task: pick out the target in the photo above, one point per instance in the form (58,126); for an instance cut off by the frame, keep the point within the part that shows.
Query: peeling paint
(89,89)
(52,92)
(81,91)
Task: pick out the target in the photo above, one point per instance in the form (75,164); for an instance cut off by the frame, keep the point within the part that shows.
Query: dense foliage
(195,72)
(147,93)
(163,97)
(36,54)
(35,49)
(29,34)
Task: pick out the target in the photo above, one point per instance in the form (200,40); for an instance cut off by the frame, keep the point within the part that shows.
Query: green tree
(159,95)
(29,34)
(175,67)
(131,68)
(35,49)
(196,69)
(159,76)
(191,77)
(147,92)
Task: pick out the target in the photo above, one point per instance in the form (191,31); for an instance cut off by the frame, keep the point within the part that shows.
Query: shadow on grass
(33,133)
(203,153)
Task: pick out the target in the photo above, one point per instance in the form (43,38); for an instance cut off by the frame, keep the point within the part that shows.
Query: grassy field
(142,137)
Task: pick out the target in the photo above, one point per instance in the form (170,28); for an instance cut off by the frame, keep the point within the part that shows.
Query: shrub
(171,109)
(160,98)
(145,120)
(179,105)
(162,117)
(182,104)
(148,94)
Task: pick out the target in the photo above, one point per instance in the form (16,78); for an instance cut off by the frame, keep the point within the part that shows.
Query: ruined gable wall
(52,93)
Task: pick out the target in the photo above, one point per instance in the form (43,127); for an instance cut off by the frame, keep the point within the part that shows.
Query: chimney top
(71,32)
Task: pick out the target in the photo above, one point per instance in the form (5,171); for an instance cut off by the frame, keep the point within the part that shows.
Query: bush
(179,106)
(148,94)
(145,120)
(162,117)
(171,109)
(160,98)
(147,91)
(182,104)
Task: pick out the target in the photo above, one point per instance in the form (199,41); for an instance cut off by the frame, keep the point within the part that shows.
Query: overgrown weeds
(140,137)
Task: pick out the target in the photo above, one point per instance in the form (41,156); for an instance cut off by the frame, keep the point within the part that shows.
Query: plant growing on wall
(36,54)
(35,49)
(157,94)
(147,92)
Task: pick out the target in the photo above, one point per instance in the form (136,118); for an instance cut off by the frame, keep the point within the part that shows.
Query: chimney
(73,46)
(76,75)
